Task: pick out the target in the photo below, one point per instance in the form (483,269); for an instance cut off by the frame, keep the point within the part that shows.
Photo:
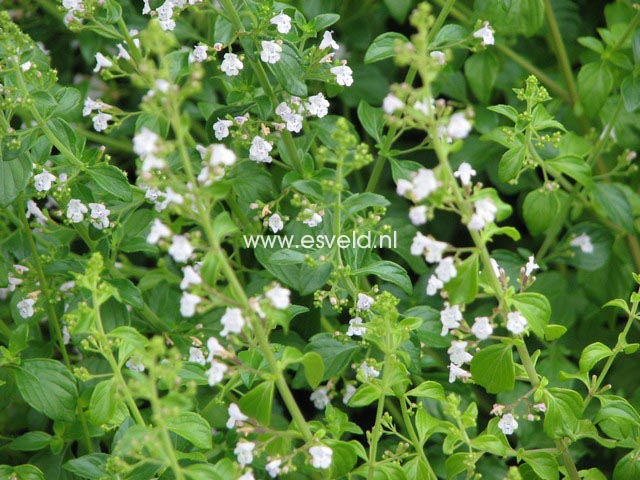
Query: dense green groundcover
(482,153)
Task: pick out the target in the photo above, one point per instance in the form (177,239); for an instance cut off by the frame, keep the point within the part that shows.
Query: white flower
(122,52)
(165,14)
(236,417)
(247,476)
(76,210)
(271,51)
(457,372)
(485,213)
(99,215)
(231,65)
(259,151)
(482,328)
(275,223)
(321,456)
(191,277)
(279,297)
(349,391)
(418,215)
(232,321)
(458,127)
(145,142)
(34,210)
(508,424)
(101,121)
(495,266)
(328,41)
(294,122)
(583,242)
(135,365)
(458,353)
(26,66)
(343,75)
(25,307)
(273,468)
(221,128)
(180,248)
(391,103)
(464,173)
(91,105)
(158,230)
(404,187)
(439,56)
(368,371)
(66,336)
(541,407)
(313,219)
(282,21)
(244,452)
(424,183)
(446,269)
(318,105)
(320,398)
(356,327)
(102,62)
(450,318)
(425,106)
(516,323)
(433,285)
(188,304)
(530,266)
(486,34)
(433,250)
(199,54)
(215,349)
(283,110)
(364,302)
(196,356)
(43,180)
(216,372)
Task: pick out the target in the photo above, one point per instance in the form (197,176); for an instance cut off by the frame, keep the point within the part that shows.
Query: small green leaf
(540,208)
(31,442)
(553,332)
(463,288)
(399,9)
(111,180)
(289,72)
(630,90)
(102,406)
(313,368)
(511,163)
(592,354)
(335,354)
(324,20)
(383,47)
(372,120)
(493,368)
(564,409)
(481,70)
(389,271)
(14,177)
(93,466)
(192,427)
(256,403)
(48,387)
(595,82)
(573,166)
(506,110)
(611,199)
(428,389)
(544,464)
(535,308)
(366,394)
(618,302)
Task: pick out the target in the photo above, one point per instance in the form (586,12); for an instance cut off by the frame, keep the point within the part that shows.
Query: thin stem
(561,52)
(376,431)
(414,437)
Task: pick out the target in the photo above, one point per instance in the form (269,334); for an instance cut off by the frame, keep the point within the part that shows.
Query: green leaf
(628,467)
(490,443)
(573,166)
(611,199)
(493,368)
(256,403)
(224,226)
(68,99)
(541,119)
(361,201)
(630,90)
(535,308)
(192,427)
(324,20)
(335,354)
(553,332)
(591,43)
(383,46)
(564,409)
(93,466)
(287,256)
(618,302)
(511,163)
(22,472)
(428,389)
(313,368)
(130,341)
(14,177)
(449,34)
(48,387)
(389,271)
(102,406)
(31,442)
(595,82)
(592,354)
(459,462)
(602,241)
(289,72)
(544,464)
(366,394)
(463,288)
(506,110)
(372,119)
(540,208)
(399,9)
(111,180)
(481,70)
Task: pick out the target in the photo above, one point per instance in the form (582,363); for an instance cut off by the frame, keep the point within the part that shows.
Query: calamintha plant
(237,244)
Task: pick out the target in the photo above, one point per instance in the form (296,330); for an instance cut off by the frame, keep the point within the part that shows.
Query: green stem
(376,431)
(561,52)
(414,438)
(442,16)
